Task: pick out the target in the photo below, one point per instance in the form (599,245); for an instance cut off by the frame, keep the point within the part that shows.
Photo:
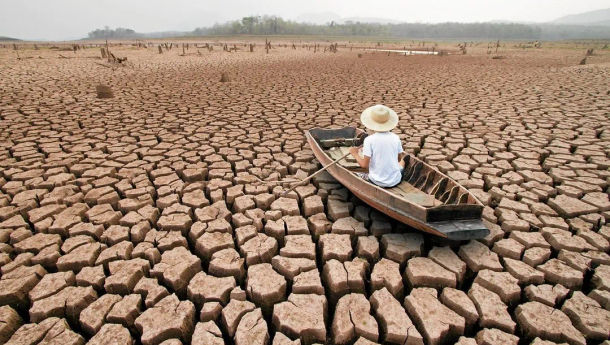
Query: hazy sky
(71,19)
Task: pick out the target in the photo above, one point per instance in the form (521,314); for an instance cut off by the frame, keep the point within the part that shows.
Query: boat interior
(421,185)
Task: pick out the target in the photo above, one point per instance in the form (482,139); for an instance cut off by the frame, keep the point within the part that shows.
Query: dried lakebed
(140,217)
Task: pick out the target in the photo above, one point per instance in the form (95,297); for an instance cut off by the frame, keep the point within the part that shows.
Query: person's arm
(401,156)
(362,161)
(401,152)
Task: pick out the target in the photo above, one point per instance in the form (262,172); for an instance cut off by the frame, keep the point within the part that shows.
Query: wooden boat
(426,199)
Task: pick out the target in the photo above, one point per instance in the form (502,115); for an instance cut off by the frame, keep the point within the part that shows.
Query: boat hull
(397,208)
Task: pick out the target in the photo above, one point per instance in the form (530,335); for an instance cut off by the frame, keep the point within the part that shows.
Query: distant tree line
(106,33)
(465,31)
(568,32)
(272,25)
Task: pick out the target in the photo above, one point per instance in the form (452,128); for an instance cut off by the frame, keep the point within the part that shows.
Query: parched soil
(141,215)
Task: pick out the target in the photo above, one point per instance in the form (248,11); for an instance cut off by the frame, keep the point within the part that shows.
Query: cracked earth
(141,218)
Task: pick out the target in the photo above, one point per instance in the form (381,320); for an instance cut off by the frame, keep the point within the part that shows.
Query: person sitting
(382,151)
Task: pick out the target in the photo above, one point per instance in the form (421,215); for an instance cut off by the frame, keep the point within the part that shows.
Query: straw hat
(379,118)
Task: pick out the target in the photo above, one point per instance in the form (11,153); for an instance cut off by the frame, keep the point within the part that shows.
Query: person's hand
(354,150)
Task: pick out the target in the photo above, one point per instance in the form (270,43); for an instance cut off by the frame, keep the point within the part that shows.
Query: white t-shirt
(383,148)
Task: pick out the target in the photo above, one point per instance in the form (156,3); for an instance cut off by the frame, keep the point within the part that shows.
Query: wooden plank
(423,200)
(345,150)
(338,152)
(407,187)
(348,162)
(334,153)
(398,192)
(414,195)
(357,169)
(350,165)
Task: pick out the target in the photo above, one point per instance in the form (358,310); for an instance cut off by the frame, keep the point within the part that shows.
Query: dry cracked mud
(141,218)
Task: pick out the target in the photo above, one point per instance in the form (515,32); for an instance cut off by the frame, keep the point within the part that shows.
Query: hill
(598,17)
(4,38)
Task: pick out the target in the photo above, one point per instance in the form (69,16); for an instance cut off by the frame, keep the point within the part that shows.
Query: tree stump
(104,91)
